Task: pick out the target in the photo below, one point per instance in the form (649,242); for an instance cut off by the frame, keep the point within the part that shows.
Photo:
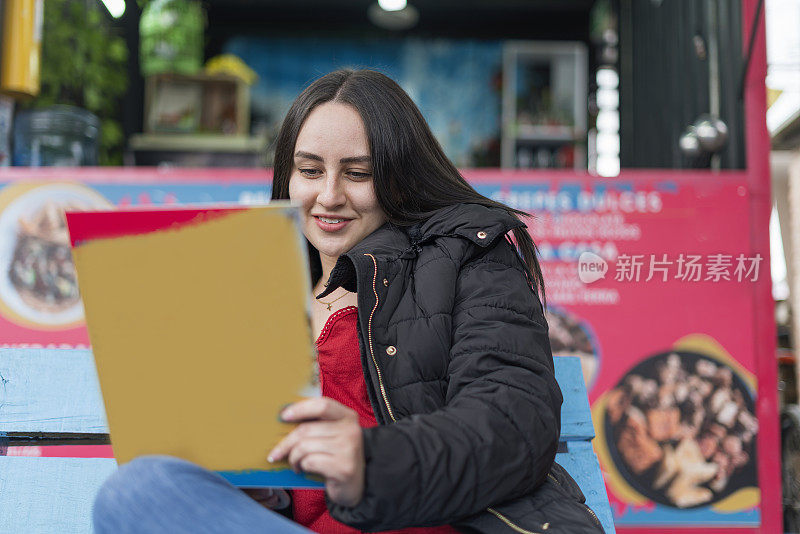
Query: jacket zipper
(508,522)
(369,338)
(591,512)
(594,516)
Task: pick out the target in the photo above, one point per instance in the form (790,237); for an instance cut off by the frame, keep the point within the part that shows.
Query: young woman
(440,410)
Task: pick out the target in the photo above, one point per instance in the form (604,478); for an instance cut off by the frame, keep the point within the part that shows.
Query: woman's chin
(331,250)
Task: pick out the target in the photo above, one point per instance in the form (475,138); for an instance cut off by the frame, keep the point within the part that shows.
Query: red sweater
(342,379)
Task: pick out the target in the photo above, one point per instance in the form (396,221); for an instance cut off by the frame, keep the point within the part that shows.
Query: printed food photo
(570,336)
(680,428)
(38,283)
(41,269)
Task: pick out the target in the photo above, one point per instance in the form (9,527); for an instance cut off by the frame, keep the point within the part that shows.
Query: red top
(342,379)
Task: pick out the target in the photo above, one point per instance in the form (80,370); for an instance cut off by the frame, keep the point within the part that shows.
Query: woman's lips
(330,226)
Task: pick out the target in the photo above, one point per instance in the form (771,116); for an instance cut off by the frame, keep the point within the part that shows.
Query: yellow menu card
(200,330)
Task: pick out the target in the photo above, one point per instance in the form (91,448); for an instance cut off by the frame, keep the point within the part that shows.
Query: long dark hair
(411,174)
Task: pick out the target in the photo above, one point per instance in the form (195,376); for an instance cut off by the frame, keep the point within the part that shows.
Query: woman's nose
(332,194)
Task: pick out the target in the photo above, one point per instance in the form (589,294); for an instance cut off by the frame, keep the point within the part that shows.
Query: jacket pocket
(555,507)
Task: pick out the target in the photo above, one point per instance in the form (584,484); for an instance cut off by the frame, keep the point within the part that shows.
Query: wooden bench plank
(53,391)
(581,463)
(45,495)
(576,416)
(56,391)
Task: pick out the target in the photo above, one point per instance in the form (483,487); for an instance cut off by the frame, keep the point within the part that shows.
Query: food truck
(656,271)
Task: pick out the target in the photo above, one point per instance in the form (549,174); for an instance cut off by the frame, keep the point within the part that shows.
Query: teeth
(330,221)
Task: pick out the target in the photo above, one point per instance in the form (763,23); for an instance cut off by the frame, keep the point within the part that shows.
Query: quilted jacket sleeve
(496,438)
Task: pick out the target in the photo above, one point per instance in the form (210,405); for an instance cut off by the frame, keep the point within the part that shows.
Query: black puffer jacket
(458,366)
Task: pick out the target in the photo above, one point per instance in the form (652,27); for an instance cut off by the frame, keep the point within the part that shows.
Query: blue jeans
(166,494)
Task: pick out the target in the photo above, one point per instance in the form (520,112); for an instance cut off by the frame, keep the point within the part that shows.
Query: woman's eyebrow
(352,159)
(307,155)
(356,159)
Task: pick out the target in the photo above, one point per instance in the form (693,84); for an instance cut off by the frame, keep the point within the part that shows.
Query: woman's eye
(308,172)
(357,175)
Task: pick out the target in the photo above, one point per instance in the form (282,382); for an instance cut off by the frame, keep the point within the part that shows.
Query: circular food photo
(38,283)
(680,429)
(570,336)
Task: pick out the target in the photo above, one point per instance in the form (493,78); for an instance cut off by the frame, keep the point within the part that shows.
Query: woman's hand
(328,442)
(272,498)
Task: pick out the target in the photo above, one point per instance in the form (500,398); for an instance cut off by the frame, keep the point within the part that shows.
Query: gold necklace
(329,304)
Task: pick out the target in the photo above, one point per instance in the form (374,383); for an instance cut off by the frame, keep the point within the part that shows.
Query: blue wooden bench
(52,396)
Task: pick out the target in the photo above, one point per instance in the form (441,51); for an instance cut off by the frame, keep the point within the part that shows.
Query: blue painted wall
(454,83)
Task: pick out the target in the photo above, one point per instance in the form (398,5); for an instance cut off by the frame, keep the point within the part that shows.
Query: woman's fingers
(309,446)
(258,494)
(346,450)
(344,481)
(316,412)
(333,469)
(328,441)
(304,431)
(316,408)
(272,498)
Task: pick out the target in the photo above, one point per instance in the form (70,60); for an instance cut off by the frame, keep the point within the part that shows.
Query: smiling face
(331,180)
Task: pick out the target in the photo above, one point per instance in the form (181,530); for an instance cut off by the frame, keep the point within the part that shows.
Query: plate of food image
(570,336)
(680,430)
(38,283)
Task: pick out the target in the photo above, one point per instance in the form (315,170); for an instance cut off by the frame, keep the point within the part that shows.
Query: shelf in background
(199,150)
(527,132)
(198,142)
